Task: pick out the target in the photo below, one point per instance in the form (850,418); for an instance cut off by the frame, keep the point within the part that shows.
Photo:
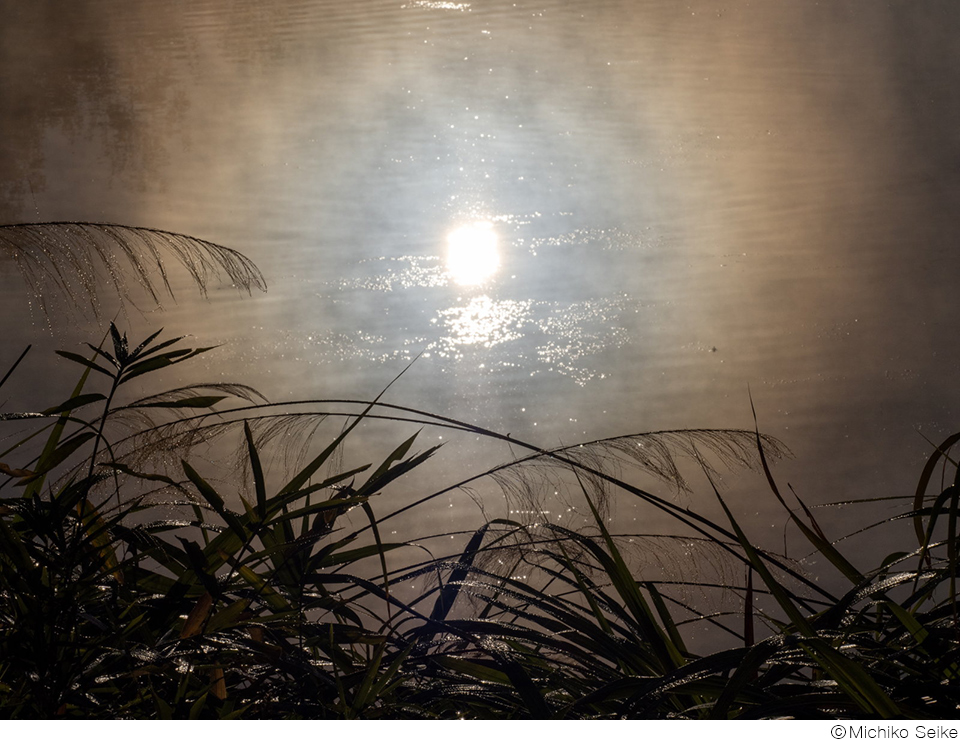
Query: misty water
(691,203)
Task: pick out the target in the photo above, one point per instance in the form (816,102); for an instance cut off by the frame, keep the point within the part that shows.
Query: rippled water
(690,201)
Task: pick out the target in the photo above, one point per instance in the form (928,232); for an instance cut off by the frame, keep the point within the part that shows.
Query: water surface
(692,202)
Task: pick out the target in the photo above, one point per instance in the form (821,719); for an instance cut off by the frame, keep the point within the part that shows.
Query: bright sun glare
(472,254)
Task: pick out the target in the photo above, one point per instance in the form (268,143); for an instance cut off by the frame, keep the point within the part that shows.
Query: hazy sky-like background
(691,200)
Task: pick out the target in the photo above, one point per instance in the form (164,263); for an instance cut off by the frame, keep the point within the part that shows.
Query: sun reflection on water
(483,322)
(454,306)
(472,254)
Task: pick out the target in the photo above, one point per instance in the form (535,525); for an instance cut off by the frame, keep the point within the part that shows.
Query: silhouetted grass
(134,584)
(71,261)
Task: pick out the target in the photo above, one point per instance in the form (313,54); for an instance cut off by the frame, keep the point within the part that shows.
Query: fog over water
(674,205)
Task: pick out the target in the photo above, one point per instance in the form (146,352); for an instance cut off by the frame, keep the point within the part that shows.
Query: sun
(472,255)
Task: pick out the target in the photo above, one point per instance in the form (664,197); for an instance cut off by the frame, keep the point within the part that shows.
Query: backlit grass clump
(138,580)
